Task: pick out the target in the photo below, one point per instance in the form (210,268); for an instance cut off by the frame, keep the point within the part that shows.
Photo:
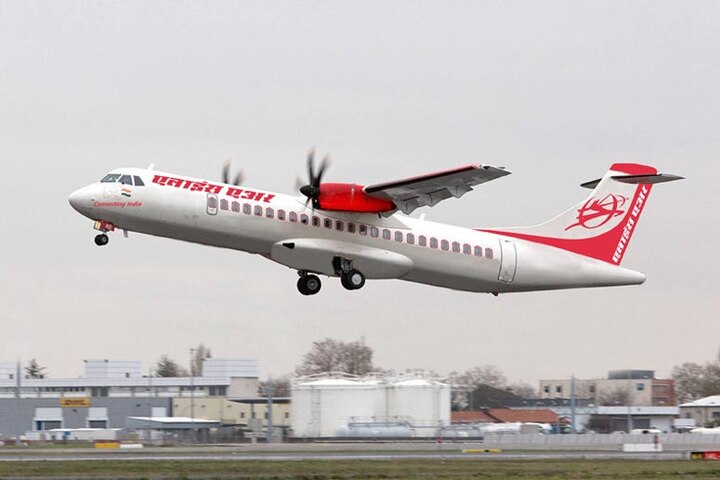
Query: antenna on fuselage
(151,167)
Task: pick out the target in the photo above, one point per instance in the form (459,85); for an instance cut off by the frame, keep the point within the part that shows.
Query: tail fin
(600,226)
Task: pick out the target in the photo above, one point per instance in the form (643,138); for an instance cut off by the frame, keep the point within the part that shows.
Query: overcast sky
(554,91)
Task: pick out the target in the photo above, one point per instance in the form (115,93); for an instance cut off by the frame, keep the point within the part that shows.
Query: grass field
(367,469)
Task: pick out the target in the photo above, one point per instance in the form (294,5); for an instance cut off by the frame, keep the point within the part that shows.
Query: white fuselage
(287,230)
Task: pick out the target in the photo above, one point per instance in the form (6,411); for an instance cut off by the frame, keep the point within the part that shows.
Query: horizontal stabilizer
(637,179)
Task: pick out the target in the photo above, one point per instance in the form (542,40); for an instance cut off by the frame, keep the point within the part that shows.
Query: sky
(554,91)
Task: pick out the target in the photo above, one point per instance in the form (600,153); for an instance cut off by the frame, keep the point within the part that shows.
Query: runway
(329,456)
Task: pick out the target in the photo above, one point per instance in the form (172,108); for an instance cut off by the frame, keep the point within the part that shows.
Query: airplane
(354,232)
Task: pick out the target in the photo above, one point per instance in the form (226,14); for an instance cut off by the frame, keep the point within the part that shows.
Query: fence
(599,441)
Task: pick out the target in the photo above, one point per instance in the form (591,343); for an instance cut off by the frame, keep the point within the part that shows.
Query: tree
(693,381)
(618,396)
(522,389)
(34,370)
(330,355)
(485,375)
(280,387)
(688,379)
(167,367)
(201,353)
(463,384)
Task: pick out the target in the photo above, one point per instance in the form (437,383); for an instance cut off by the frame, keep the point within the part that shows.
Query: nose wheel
(309,284)
(101,240)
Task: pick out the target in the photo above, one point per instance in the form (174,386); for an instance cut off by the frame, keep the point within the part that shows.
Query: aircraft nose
(80,199)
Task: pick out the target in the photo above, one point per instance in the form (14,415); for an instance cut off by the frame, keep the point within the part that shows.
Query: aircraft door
(212,204)
(508,261)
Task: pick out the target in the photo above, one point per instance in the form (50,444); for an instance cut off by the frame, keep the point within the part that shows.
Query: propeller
(237,180)
(312,189)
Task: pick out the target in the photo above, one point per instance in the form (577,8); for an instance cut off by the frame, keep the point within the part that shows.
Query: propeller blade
(310,164)
(323,166)
(239,178)
(226,171)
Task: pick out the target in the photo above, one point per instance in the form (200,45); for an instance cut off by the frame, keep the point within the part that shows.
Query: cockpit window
(126,180)
(110,178)
(138,181)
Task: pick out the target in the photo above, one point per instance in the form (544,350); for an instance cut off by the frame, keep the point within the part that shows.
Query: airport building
(704,411)
(110,392)
(622,387)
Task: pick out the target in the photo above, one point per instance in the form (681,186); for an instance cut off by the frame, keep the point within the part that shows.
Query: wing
(430,189)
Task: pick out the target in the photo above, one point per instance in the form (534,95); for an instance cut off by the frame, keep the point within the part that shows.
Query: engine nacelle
(349,197)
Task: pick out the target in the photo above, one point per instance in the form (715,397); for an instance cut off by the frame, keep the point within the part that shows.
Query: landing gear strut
(308,284)
(101,240)
(350,278)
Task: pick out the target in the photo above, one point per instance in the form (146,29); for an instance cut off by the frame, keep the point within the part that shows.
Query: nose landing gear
(101,240)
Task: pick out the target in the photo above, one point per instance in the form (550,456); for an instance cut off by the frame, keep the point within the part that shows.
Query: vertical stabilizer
(602,225)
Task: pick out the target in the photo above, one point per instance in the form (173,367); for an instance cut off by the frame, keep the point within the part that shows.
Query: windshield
(110,178)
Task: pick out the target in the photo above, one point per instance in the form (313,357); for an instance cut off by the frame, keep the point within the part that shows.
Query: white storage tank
(321,407)
(423,402)
(344,406)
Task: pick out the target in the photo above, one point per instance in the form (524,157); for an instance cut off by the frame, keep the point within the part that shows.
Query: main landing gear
(308,284)
(350,278)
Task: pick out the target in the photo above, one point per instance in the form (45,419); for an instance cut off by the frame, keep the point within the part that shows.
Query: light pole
(269,438)
(192,393)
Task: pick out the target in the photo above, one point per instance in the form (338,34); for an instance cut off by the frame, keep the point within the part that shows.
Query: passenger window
(223,204)
(433,242)
(138,181)
(281,215)
(445,245)
(269,212)
(247,208)
(304,219)
(351,227)
(258,210)
(339,225)
(235,206)
(478,251)
(456,247)
(126,180)
(316,221)
(489,253)
(386,234)
(410,238)
(374,232)
(363,229)
(467,249)
(422,240)
(398,236)
(293,217)
(110,178)
(328,223)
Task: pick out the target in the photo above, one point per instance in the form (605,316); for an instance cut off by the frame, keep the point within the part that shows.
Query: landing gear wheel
(309,284)
(352,280)
(101,240)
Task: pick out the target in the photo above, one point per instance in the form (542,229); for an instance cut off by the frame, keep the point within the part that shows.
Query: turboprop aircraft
(357,232)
